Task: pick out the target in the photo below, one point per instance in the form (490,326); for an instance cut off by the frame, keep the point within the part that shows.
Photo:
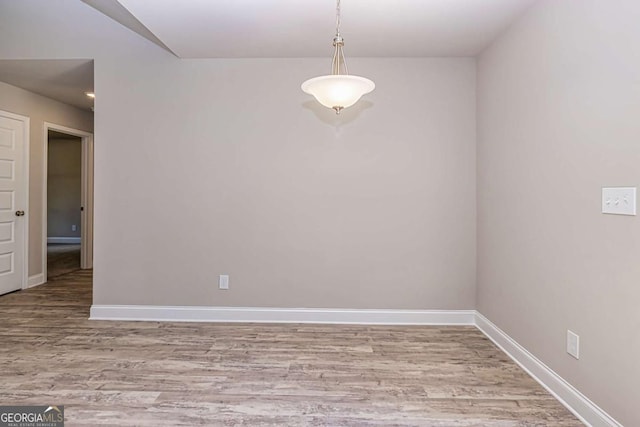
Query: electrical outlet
(223,282)
(573,344)
(74,227)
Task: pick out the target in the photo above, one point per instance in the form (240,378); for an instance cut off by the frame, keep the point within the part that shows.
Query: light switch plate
(619,200)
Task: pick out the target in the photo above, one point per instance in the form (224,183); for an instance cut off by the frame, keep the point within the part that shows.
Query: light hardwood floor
(62,259)
(183,374)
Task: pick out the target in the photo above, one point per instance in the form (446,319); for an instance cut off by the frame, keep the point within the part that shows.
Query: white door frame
(25,179)
(86,194)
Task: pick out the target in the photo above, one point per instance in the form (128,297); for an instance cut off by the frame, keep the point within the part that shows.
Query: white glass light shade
(338,91)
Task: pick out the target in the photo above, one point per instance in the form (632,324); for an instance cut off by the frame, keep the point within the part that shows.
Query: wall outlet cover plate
(573,344)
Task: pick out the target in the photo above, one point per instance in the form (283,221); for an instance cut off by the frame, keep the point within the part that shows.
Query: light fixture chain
(337,17)
(339,64)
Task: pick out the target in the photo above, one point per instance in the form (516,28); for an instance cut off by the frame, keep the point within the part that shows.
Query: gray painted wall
(558,105)
(64,180)
(228,168)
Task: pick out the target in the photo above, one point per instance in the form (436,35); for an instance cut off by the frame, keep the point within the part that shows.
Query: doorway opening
(68,200)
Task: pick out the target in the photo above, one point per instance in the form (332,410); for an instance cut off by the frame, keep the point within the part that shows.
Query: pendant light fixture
(338,90)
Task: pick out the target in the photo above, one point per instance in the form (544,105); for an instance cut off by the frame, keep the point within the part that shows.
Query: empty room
(319,213)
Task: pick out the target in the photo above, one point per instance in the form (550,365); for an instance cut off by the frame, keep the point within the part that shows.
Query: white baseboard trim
(35,280)
(64,240)
(587,411)
(282,315)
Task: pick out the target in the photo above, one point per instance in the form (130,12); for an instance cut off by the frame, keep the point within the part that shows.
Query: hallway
(62,259)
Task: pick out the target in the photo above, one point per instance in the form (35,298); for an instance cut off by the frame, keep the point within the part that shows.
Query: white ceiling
(305,28)
(279,28)
(64,80)
(117,12)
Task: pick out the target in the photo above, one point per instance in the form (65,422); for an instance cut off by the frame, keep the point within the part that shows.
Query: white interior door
(13,201)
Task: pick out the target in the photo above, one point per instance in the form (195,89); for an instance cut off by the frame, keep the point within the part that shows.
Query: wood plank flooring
(187,374)
(62,259)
